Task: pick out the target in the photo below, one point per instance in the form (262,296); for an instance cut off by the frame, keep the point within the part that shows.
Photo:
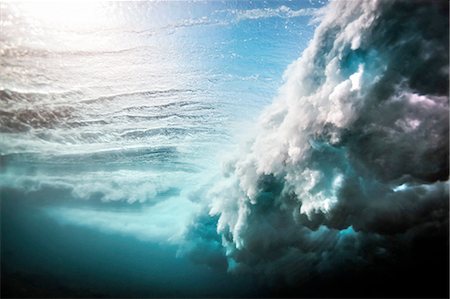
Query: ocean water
(113,115)
(224,149)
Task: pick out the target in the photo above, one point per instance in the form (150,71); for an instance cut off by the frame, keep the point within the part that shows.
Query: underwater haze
(224,149)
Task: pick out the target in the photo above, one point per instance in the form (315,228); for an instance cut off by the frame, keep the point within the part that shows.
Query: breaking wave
(350,161)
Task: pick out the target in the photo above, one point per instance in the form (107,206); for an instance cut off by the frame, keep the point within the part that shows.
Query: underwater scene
(245,149)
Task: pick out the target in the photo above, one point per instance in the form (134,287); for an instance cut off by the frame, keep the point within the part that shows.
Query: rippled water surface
(143,97)
(112,115)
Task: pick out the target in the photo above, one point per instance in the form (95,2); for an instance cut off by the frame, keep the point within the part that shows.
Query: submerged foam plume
(351,159)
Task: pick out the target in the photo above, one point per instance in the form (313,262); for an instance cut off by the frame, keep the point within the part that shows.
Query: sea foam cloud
(351,159)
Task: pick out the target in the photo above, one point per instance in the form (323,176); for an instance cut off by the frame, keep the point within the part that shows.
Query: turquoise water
(113,117)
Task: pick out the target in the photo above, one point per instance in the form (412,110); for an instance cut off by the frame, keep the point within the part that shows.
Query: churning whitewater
(350,161)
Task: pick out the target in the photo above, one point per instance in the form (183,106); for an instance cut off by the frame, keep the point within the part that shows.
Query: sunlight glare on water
(114,114)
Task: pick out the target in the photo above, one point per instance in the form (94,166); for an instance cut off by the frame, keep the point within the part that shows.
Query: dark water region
(44,258)
(41,258)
